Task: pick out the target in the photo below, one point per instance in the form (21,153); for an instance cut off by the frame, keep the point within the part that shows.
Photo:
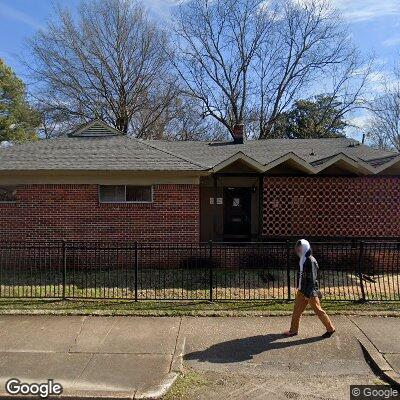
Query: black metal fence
(197,271)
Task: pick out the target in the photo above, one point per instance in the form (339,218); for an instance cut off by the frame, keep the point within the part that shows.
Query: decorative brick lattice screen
(331,206)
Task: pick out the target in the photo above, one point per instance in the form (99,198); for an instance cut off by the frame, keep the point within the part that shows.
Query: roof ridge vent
(95,128)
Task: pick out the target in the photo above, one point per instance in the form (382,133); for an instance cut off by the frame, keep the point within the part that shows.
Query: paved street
(236,358)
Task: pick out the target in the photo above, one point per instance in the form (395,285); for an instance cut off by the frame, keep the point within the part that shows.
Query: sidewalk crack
(79,333)
(176,344)
(83,369)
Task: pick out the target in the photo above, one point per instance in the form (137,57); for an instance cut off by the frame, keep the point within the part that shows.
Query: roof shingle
(90,153)
(266,151)
(120,152)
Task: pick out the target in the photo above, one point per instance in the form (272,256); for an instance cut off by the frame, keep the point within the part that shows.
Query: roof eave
(353,165)
(387,165)
(301,163)
(239,156)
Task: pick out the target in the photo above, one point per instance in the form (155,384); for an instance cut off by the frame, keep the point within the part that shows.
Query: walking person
(307,291)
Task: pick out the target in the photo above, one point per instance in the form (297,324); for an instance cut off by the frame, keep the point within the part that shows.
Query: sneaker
(289,334)
(328,334)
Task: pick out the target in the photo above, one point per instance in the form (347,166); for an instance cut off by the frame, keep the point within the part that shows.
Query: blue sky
(374,25)
(20,19)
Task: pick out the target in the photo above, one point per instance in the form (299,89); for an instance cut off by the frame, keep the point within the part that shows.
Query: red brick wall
(74,212)
(331,206)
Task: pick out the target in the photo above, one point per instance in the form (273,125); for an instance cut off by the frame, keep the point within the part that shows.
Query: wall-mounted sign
(219,200)
(211,200)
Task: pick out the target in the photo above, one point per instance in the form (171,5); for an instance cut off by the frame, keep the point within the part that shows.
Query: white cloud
(357,125)
(365,10)
(352,10)
(393,41)
(161,7)
(377,80)
(377,76)
(362,10)
(359,121)
(18,16)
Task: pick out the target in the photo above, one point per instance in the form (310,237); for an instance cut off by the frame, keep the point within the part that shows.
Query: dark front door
(237,213)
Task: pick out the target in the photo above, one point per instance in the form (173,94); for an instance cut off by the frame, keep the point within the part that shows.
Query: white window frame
(127,202)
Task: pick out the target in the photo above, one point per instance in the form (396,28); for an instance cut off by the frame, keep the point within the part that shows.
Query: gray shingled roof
(91,153)
(376,162)
(266,151)
(111,150)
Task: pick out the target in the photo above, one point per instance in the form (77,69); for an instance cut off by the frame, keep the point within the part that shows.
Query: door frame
(247,193)
(211,210)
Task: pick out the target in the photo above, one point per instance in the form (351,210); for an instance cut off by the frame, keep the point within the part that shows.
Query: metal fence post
(211,270)
(288,268)
(360,259)
(136,270)
(64,279)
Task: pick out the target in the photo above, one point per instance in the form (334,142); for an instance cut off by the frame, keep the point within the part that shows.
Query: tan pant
(300,305)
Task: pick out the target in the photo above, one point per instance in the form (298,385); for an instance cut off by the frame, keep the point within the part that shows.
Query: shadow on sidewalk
(245,348)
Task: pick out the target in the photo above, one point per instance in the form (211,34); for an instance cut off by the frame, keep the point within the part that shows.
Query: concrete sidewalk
(382,343)
(90,356)
(238,357)
(256,362)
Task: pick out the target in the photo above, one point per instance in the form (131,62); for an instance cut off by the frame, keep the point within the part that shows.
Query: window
(8,194)
(125,194)
(141,194)
(112,194)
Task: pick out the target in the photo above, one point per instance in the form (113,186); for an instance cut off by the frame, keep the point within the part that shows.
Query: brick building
(99,184)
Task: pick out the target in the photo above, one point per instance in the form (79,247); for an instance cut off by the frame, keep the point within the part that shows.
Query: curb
(376,359)
(155,392)
(160,390)
(199,313)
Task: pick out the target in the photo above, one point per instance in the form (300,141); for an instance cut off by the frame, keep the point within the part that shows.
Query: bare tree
(216,43)
(383,128)
(181,120)
(185,121)
(249,60)
(107,61)
(53,122)
(308,49)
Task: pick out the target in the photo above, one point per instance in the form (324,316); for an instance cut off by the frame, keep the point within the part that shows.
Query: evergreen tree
(18,120)
(321,117)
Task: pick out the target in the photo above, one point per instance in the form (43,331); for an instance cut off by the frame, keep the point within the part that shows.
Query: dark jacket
(309,279)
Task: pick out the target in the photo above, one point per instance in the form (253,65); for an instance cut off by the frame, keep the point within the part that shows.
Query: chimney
(238,133)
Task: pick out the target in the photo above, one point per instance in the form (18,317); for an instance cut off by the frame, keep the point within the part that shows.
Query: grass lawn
(190,284)
(183,308)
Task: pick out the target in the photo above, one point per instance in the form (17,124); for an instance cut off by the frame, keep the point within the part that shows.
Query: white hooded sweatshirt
(305,247)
